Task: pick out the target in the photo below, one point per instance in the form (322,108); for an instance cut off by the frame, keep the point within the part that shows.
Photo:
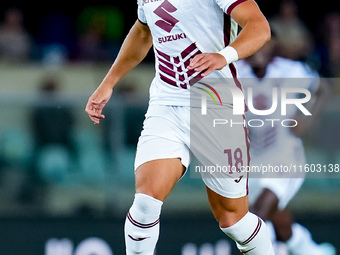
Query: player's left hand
(97,102)
(207,63)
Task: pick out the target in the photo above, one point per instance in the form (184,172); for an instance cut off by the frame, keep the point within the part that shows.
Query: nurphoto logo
(282,98)
(239,100)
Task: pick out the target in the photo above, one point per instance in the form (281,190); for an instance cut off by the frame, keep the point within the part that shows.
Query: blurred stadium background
(66,185)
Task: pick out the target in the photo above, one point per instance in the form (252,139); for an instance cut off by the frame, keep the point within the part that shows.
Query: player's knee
(146,206)
(228,219)
(227,214)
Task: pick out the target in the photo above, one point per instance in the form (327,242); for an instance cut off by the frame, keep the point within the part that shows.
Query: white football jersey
(273,142)
(181,29)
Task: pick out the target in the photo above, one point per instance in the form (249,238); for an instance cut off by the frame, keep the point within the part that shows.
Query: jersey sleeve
(140,13)
(228,5)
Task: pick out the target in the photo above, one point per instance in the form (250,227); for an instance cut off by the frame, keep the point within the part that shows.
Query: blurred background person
(15,40)
(275,145)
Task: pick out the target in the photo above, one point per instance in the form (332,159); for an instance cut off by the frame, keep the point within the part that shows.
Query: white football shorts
(174,131)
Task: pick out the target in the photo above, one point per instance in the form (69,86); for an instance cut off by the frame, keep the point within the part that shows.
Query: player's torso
(182,29)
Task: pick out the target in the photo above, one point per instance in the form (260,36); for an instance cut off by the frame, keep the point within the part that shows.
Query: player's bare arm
(134,49)
(255,33)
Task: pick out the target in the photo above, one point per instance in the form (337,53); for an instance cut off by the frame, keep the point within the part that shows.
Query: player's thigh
(227,211)
(157,178)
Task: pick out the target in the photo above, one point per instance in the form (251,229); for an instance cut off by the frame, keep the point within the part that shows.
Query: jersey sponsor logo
(170,38)
(167,21)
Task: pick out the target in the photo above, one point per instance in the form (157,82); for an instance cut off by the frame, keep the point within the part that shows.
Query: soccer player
(276,145)
(192,39)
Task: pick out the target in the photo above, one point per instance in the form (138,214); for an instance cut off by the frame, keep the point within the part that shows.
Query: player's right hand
(96,104)
(206,63)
